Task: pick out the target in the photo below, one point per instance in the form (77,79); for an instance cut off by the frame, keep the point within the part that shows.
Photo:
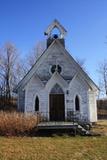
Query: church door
(56,102)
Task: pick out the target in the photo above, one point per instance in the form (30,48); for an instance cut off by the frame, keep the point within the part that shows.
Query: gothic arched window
(36,103)
(77,104)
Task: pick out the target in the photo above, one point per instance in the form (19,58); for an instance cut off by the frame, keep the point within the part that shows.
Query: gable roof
(37,78)
(57,79)
(44,55)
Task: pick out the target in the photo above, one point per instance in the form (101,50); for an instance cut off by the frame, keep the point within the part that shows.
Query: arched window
(37,104)
(77,104)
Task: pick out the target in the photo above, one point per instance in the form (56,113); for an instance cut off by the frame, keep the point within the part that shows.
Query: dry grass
(100,127)
(14,124)
(53,148)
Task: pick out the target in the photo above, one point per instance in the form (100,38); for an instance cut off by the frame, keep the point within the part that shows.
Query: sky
(23,23)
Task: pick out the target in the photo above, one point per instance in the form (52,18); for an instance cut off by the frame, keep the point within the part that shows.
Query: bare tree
(7,59)
(19,71)
(36,53)
(10,68)
(81,62)
(103,77)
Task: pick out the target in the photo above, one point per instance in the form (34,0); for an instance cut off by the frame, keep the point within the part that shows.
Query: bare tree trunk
(103,77)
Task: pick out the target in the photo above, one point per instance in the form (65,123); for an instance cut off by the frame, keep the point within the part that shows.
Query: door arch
(57,104)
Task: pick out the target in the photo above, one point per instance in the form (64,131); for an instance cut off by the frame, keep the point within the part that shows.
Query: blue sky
(23,23)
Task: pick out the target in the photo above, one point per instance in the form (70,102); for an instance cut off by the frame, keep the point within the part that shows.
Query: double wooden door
(57,107)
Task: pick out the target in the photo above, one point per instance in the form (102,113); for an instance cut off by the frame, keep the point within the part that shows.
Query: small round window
(56,67)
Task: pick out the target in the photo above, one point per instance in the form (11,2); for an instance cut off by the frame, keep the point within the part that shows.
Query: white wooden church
(56,84)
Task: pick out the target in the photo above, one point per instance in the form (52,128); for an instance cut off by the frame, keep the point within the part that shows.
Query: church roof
(31,72)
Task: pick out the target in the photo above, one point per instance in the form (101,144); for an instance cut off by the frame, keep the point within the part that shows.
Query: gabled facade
(56,84)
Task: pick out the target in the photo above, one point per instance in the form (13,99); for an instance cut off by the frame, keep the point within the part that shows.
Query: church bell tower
(55,31)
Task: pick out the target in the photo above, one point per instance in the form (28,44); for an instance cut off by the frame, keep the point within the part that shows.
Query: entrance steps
(77,128)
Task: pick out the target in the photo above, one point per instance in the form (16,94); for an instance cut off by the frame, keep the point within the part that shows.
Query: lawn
(53,148)
(56,147)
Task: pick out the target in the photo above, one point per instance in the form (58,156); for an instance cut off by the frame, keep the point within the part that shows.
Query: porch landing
(57,125)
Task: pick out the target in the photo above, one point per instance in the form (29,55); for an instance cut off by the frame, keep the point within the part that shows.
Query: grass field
(56,147)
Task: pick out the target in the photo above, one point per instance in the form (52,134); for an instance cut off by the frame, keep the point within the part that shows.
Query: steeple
(55,31)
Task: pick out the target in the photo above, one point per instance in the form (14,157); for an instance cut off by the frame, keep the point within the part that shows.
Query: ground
(100,127)
(56,147)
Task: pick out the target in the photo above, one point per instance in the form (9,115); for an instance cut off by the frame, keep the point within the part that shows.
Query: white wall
(92,106)
(69,80)
(80,88)
(76,87)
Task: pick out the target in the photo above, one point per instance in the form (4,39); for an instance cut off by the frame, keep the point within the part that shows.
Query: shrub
(17,124)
